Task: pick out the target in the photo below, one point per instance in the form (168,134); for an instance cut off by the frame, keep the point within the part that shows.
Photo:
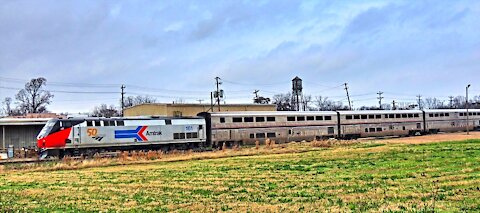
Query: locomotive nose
(41,142)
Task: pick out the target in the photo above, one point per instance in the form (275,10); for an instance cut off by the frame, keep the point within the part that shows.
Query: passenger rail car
(90,135)
(248,127)
(374,123)
(446,120)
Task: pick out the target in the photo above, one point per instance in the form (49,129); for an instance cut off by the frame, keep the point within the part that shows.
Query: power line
(64,91)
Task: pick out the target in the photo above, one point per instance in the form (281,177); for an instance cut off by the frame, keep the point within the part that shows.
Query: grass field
(367,176)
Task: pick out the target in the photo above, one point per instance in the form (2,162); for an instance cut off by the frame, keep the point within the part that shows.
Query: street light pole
(468,118)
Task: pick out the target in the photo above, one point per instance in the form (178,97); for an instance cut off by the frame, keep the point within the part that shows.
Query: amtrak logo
(98,138)
(136,133)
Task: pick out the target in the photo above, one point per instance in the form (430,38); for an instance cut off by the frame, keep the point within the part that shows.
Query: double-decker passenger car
(90,135)
(248,127)
(449,120)
(356,124)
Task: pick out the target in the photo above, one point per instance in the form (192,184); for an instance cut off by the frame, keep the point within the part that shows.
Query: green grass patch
(366,177)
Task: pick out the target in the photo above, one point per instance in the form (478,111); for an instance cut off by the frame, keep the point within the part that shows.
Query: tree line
(286,102)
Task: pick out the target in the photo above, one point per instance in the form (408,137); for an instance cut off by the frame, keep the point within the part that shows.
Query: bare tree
(324,104)
(284,102)
(137,100)
(33,99)
(105,111)
(307,99)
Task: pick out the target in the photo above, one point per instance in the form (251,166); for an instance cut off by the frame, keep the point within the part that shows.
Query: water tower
(297,91)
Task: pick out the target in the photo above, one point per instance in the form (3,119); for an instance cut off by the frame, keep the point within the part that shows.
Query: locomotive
(87,136)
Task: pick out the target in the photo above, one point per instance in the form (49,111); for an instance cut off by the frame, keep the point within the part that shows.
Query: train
(209,130)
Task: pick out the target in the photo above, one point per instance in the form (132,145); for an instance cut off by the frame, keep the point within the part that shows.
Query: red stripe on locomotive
(54,140)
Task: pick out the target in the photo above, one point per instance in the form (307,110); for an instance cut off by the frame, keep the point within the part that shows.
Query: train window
(436,114)
(391,116)
(356,116)
(470,114)
(319,118)
(430,115)
(371,129)
(349,117)
(416,115)
(106,123)
(176,135)
(120,123)
(461,114)
(248,119)
(290,118)
(379,129)
(222,120)
(419,125)
(398,116)
(378,116)
(310,118)
(410,115)
(89,123)
(391,127)
(168,122)
(404,115)
(271,119)
(371,116)
(97,123)
(403,127)
(386,116)
(260,135)
(182,135)
(67,124)
(271,135)
(366,129)
(259,119)
(331,130)
(300,118)
(364,116)
(200,126)
(328,118)
(442,115)
(237,120)
(252,135)
(194,135)
(189,135)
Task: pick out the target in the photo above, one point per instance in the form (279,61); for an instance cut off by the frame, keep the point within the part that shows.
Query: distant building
(22,131)
(164,109)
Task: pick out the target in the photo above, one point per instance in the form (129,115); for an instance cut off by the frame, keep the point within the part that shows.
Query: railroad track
(25,161)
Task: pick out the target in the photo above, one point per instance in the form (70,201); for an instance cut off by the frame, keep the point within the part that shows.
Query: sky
(173,50)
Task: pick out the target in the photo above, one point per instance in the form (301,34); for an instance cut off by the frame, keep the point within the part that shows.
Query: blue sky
(174,49)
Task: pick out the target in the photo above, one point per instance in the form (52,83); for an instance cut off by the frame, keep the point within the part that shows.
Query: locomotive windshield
(48,128)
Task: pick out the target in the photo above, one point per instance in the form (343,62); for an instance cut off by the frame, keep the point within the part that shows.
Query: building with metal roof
(20,132)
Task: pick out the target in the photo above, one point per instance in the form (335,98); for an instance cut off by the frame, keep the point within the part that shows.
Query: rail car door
(76,134)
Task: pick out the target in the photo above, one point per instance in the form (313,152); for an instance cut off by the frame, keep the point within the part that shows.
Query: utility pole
(380,93)
(348,97)
(211,101)
(217,80)
(394,107)
(420,102)
(466,102)
(123,94)
(255,100)
(451,101)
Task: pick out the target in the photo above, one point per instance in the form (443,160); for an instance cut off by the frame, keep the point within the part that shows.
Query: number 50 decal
(92,132)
